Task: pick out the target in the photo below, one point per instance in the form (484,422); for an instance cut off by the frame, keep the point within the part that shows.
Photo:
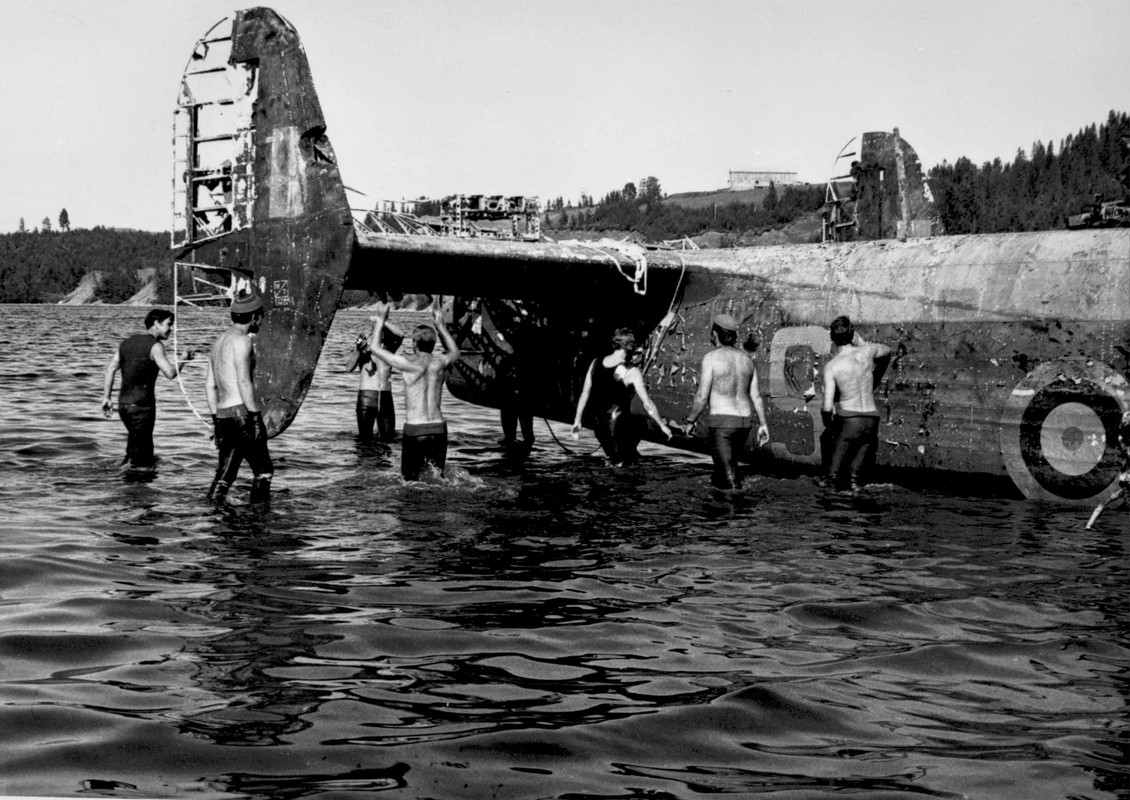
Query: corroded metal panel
(892,196)
(976,322)
(300,238)
(991,334)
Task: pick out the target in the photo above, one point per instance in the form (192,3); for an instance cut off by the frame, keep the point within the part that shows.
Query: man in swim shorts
(374,394)
(728,386)
(140,358)
(236,415)
(424,442)
(852,373)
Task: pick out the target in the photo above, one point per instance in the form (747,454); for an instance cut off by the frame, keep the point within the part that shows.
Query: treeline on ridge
(44,266)
(1036,192)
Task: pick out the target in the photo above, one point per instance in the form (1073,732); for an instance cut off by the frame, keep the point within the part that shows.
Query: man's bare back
(728,388)
(232,367)
(730,373)
(852,429)
(376,375)
(425,432)
(851,375)
(424,373)
(423,388)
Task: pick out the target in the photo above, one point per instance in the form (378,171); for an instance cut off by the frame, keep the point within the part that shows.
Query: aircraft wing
(513,269)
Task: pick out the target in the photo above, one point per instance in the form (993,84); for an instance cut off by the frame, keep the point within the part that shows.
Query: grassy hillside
(716,196)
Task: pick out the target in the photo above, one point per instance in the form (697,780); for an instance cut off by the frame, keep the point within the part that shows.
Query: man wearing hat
(236,416)
(728,386)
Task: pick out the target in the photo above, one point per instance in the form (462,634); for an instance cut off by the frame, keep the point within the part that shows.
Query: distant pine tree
(650,191)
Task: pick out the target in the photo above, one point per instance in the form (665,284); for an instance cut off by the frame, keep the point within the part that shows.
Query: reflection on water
(538,627)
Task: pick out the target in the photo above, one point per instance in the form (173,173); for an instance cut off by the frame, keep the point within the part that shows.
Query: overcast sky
(556,97)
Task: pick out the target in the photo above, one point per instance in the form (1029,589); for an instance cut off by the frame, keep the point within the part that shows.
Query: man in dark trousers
(374,395)
(728,387)
(850,376)
(238,419)
(424,439)
(140,358)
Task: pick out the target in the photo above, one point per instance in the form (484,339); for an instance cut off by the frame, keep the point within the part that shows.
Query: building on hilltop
(756,179)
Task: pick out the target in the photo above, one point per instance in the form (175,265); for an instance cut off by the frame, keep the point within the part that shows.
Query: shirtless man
(238,423)
(424,373)
(374,395)
(140,358)
(728,383)
(852,374)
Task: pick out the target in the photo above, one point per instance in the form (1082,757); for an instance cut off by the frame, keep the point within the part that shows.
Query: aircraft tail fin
(257,192)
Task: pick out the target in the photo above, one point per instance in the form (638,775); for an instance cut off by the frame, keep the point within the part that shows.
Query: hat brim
(726,322)
(247,305)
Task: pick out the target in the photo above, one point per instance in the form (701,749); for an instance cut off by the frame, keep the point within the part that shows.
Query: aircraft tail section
(885,194)
(258,197)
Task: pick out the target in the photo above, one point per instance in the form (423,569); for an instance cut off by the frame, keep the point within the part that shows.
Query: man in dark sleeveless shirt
(610,383)
(140,357)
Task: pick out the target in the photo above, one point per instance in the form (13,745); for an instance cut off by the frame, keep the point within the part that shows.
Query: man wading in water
(728,382)
(230,386)
(374,395)
(852,374)
(424,440)
(610,383)
(140,358)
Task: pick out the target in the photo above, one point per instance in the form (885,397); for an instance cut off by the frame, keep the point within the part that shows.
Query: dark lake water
(539,628)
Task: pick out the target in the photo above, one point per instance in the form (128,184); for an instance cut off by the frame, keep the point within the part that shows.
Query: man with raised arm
(236,416)
(851,376)
(140,358)
(374,394)
(424,441)
(728,386)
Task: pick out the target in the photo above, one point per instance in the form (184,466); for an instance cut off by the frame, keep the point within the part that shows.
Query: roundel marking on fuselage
(1059,430)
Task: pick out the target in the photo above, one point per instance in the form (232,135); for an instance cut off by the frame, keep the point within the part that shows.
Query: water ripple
(537,627)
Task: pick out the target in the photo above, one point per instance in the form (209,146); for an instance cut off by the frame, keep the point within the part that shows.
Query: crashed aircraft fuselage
(1011,351)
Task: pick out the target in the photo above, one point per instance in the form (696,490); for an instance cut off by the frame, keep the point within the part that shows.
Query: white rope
(639,280)
(639,258)
(633,251)
(176,351)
